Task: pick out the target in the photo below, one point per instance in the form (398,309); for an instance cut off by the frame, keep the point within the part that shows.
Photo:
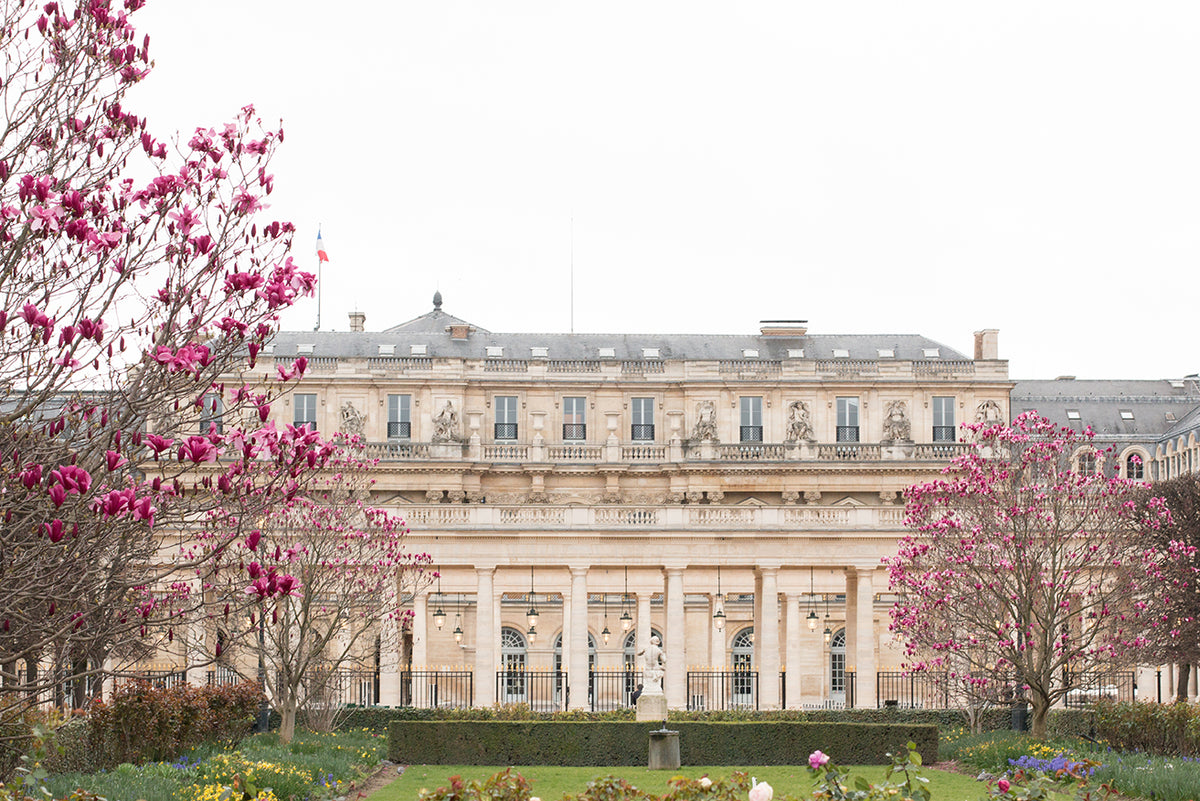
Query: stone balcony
(486,517)
(649,453)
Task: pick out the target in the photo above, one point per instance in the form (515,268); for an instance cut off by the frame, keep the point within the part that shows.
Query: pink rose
(1003,785)
(816,759)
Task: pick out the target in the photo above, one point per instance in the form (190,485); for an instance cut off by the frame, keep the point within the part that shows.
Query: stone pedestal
(446,450)
(664,749)
(896,450)
(652,707)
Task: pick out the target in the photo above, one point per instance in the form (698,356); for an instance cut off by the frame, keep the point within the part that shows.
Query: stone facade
(639,475)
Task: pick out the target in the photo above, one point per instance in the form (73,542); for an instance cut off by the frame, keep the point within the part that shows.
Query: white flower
(761,792)
(705,782)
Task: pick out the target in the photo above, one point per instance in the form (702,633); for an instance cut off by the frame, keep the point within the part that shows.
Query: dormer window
(887,353)
(1073,414)
(418,350)
(650,353)
(841,353)
(1126,414)
(387,350)
(495,351)
(795,353)
(539,352)
(749,353)
(305,349)
(607,353)
(932,353)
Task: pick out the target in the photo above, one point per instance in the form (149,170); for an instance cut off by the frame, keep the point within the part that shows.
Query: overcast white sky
(884,167)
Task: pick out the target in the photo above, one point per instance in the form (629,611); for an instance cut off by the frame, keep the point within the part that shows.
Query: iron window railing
(752,433)
(642,432)
(399,430)
(574,431)
(943,433)
(506,430)
(847,433)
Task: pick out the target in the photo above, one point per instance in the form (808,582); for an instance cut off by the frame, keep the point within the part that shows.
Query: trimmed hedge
(600,743)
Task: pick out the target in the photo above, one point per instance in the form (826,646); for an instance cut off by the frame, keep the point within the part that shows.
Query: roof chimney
(783,328)
(987,344)
(358,321)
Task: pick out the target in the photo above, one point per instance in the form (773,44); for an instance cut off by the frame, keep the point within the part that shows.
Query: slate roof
(430,330)
(1157,407)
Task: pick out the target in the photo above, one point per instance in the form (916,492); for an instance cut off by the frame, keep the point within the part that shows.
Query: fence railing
(542,690)
(612,689)
(912,691)
(437,689)
(722,689)
(1088,688)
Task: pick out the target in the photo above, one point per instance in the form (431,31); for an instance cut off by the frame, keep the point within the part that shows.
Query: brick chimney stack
(987,344)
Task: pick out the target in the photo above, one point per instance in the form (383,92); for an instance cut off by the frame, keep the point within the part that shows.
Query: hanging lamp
(439,616)
(812,611)
(719,615)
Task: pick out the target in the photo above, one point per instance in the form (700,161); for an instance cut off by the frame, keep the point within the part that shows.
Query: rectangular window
(212,407)
(943,419)
(751,426)
(643,420)
(847,419)
(306,411)
(399,416)
(506,417)
(574,418)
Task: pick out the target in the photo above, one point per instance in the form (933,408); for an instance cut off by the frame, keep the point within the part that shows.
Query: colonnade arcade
(785,620)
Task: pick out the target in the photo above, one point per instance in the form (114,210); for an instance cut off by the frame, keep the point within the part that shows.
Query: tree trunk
(1181,685)
(1039,712)
(287,719)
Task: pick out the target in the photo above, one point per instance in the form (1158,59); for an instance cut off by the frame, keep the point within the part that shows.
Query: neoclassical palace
(733,495)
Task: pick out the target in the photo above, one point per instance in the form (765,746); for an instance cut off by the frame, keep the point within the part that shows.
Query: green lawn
(552,783)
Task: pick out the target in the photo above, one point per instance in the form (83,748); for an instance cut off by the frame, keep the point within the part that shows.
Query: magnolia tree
(1021,571)
(326,569)
(134,272)
(1178,642)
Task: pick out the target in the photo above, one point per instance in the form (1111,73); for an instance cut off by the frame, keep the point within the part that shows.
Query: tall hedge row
(599,743)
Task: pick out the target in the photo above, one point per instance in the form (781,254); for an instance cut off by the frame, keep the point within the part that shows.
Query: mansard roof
(1115,409)
(432,330)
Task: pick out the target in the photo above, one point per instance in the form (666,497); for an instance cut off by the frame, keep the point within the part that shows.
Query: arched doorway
(837,668)
(513,652)
(741,659)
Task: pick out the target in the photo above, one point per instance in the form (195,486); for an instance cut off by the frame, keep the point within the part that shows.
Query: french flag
(321,254)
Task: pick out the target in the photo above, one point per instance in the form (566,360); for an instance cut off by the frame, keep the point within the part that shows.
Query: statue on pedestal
(655,665)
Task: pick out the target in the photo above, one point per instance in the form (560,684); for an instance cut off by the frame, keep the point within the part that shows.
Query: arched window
(512,660)
(1135,467)
(741,658)
(837,666)
(1086,462)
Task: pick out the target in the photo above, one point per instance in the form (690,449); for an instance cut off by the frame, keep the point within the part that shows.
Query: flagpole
(320,260)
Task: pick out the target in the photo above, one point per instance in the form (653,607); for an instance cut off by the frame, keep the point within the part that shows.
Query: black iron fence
(612,689)
(912,691)
(542,690)
(1088,688)
(722,689)
(432,689)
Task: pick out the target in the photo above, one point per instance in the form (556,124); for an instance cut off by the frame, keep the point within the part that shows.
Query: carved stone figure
(706,422)
(799,424)
(352,419)
(445,424)
(896,427)
(654,667)
(989,413)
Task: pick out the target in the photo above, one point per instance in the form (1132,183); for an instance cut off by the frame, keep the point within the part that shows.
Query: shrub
(1164,729)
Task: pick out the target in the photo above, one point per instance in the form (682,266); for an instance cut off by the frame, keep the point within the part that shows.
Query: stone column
(643,623)
(794,644)
(420,631)
(389,660)
(851,623)
(676,654)
(485,637)
(865,639)
(716,652)
(767,638)
(577,666)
